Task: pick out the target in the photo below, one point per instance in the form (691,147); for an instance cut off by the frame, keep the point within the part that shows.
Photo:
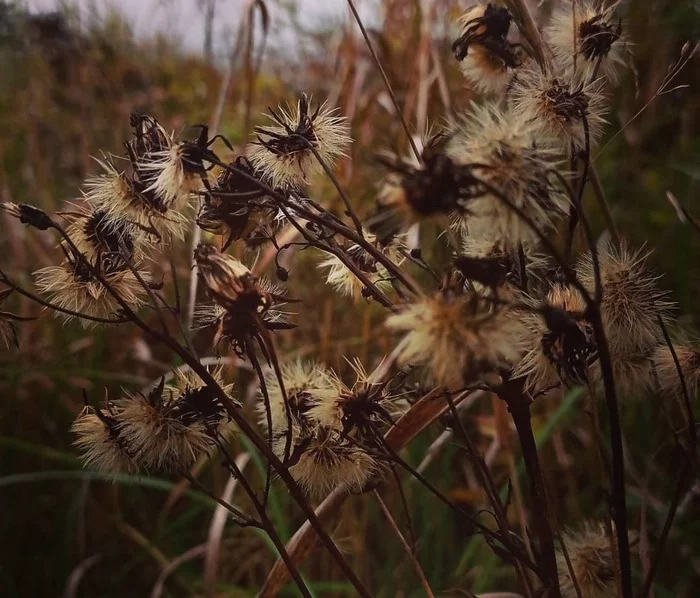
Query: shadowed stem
(512,392)
(264,518)
(411,557)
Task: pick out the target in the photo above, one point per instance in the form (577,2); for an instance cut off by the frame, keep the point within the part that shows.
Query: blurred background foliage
(66,92)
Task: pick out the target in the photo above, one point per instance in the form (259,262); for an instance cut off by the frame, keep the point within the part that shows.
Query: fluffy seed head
(666,378)
(331,461)
(505,147)
(457,335)
(559,343)
(344,281)
(72,286)
(586,40)
(304,383)
(171,427)
(282,151)
(98,439)
(631,300)
(592,563)
(486,56)
(124,196)
(560,108)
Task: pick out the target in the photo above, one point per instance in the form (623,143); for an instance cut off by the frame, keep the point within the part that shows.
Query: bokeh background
(71,73)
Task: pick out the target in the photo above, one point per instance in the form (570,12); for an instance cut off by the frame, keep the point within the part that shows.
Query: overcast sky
(184,19)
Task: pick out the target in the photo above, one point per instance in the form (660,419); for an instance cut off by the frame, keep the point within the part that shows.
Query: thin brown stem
(409,553)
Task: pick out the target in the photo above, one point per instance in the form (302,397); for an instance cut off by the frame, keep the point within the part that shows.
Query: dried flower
(28,215)
(344,280)
(486,56)
(560,343)
(631,300)
(590,553)
(565,113)
(99,440)
(282,150)
(666,378)
(458,335)
(235,206)
(127,197)
(330,461)
(437,186)
(73,286)
(304,384)
(585,40)
(171,427)
(504,149)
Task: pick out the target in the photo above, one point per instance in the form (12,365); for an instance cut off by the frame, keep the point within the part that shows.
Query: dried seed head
(560,343)
(28,215)
(171,427)
(72,286)
(361,409)
(590,553)
(437,186)
(304,383)
(587,41)
(282,150)
(486,56)
(99,236)
(505,149)
(125,196)
(633,374)
(564,112)
(99,440)
(666,378)
(631,300)
(235,207)
(344,280)
(458,336)
(330,461)
(172,176)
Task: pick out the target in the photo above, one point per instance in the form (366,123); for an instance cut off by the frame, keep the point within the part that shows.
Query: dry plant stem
(686,473)
(604,206)
(4,279)
(569,566)
(329,173)
(264,518)
(529,28)
(399,113)
(512,392)
(243,519)
(238,418)
(411,557)
(484,476)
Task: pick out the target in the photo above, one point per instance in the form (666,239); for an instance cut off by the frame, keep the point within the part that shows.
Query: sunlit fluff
(585,41)
(123,197)
(564,112)
(504,149)
(486,56)
(590,553)
(73,288)
(457,336)
(282,150)
(95,233)
(631,299)
(341,278)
